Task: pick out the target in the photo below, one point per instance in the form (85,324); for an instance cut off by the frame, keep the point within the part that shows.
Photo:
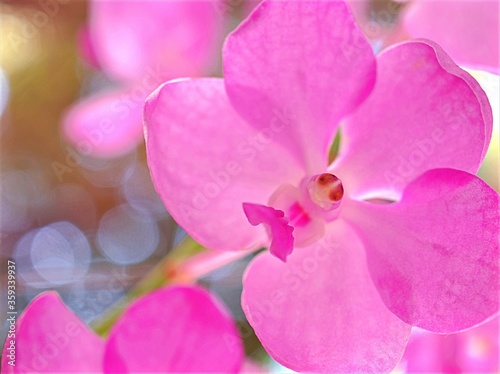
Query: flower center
(308,207)
(326,191)
(296,216)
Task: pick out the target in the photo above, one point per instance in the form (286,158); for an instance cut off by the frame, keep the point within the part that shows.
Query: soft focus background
(91,228)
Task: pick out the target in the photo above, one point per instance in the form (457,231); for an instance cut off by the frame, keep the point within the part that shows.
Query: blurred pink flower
(466,30)
(473,351)
(175,329)
(138,46)
(254,148)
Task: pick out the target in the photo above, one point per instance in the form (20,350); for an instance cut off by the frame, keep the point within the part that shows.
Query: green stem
(163,273)
(184,264)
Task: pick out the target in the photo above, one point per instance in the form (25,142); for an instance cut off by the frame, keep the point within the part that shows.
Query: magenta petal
(320,311)
(424,113)
(281,232)
(469,35)
(160,41)
(51,339)
(305,60)
(175,330)
(107,124)
(434,255)
(205,161)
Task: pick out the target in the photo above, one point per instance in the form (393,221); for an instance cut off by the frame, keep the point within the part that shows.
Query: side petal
(107,124)
(205,161)
(305,58)
(49,338)
(163,40)
(424,113)
(434,255)
(175,330)
(320,312)
(469,35)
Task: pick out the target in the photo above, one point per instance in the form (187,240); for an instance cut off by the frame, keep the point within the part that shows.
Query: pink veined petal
(469,35)
(160,41)
(305,58)
(176,330)
(106,124)
(205,161)
(472,351)
(320,312)
(424,113)
(434,255)
(51,339)
(280,232)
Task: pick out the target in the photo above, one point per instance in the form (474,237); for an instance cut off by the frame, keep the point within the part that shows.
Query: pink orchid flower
(396,232)
(138,46)
(473,351)
(175,329)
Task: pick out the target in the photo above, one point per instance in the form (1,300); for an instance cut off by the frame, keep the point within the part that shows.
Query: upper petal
(307,59)
(469,35)
(424,113)
(205,161)
(107,124)
(434,255)
(160,41)
(49,338)
(320,312)
(175,330)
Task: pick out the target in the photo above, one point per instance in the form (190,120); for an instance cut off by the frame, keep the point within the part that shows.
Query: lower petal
(51,339)
(175,330)
(434,255)
(319,311)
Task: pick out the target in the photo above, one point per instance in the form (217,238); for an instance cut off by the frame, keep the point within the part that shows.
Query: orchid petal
(422,114)
(49,338)
(434,255)
(304,58)
(176,329)
(205,162)
(320,312)
(469,35)
(107,124)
